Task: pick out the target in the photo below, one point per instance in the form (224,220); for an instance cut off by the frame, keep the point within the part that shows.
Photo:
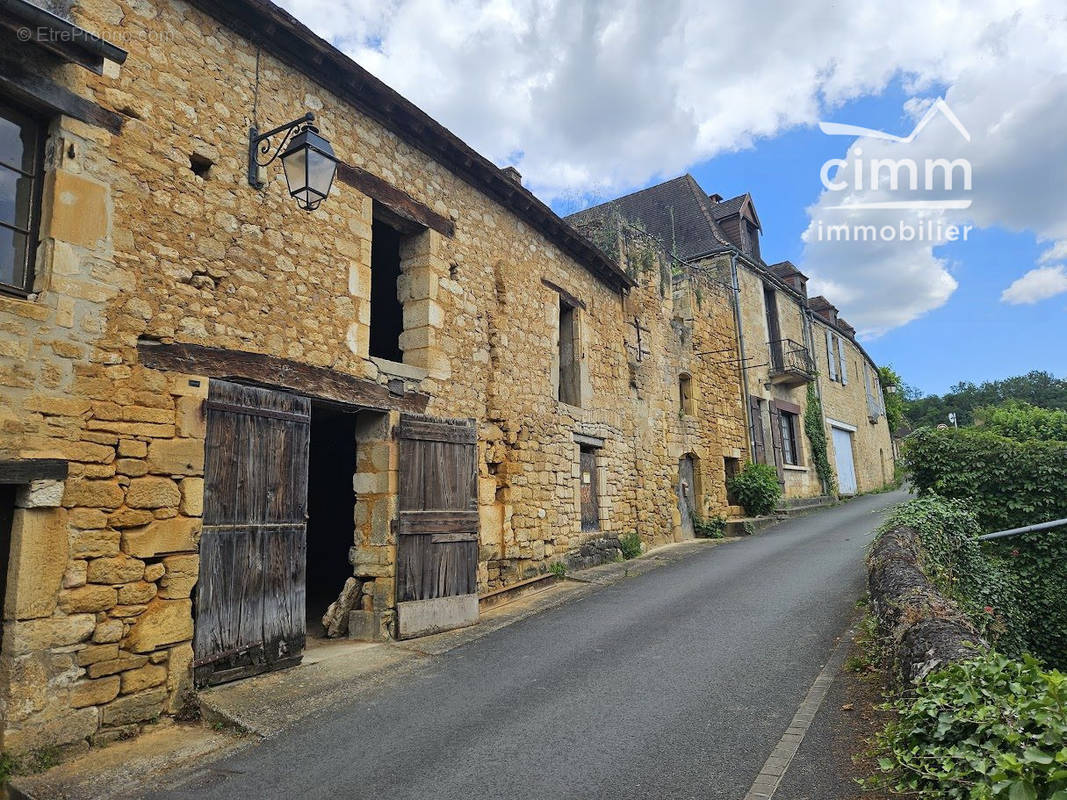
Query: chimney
(715,198)
(512,175)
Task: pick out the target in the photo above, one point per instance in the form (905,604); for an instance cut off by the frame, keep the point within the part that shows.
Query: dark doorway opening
(731,466)
(386,310)
(331,509)
(7,518)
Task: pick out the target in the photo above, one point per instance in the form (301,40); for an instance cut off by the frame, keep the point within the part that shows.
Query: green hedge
(978,730)
(1023,422)
(1008,484)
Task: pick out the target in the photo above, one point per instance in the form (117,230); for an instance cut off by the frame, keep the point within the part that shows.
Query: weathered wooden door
(588,491)
(686,494)
(250,596)
(437,536)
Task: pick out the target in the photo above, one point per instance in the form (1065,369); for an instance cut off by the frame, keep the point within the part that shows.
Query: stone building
(789,343)
(222,416)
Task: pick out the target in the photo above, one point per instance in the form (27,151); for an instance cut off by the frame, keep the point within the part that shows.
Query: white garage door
(846,468)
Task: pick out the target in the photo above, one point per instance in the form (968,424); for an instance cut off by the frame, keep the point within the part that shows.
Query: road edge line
(777,763)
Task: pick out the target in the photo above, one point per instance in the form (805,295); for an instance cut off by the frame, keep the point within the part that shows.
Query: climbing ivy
(815,428)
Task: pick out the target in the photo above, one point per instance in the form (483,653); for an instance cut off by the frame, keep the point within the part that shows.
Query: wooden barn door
(250,596)
(437,536)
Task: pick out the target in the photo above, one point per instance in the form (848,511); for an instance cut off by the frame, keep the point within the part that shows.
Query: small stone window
(200,165)
(569,355)
(21,168)
(685,394)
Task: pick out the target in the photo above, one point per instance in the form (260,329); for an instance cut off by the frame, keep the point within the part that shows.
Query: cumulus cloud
(1036,285)
(591,98)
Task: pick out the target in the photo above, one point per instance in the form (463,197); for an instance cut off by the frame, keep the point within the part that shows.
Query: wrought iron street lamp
(308,160)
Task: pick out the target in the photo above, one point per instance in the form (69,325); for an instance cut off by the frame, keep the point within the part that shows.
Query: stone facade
(153,236)
(785,339)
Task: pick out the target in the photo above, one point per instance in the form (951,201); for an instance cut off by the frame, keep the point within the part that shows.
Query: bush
(710,528)
(757,488)
(1023,422)
(630,544)
(1008,484)
(980,729)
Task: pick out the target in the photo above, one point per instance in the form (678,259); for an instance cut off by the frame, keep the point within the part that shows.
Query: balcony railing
(791,362)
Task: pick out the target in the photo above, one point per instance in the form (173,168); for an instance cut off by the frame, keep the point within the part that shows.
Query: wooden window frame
(24,117)
(787,425)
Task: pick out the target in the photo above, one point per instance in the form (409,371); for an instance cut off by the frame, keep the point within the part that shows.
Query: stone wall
(872,447)
(138,245)
(801,480)
(843,402)
(924,629)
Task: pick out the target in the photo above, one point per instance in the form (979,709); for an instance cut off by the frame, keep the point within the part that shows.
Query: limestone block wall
(872,442)
(136,244)
(801,480)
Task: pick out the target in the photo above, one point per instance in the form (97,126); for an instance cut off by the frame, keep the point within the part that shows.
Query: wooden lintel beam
(26,470)
(36,90)
(569,298)
(266,370)
(396,200)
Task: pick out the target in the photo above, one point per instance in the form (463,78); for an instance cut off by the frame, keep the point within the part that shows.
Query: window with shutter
(831,359)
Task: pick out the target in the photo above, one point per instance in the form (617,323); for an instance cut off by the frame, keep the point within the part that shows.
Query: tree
(893,392)
(1039,389)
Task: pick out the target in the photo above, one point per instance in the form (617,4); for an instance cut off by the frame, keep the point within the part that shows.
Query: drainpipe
(747,411)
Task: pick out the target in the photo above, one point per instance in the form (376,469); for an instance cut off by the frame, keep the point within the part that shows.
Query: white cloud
(1036,285)
(591,98)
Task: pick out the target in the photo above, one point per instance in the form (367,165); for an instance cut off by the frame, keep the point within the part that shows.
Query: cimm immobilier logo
(864,182)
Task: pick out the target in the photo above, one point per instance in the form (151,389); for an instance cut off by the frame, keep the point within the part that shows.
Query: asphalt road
(674,684)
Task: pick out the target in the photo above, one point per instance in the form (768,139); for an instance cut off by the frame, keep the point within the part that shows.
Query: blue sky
(591,99)
(974,336)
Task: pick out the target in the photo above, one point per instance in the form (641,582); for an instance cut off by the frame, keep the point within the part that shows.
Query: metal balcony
(791,363)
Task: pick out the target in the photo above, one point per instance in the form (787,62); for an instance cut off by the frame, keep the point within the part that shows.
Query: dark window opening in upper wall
(386,310)
(569,371)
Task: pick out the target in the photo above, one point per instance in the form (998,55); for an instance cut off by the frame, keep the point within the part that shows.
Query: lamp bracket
(259,144)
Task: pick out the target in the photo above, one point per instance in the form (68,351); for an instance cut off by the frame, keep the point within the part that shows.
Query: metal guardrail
(1041,526)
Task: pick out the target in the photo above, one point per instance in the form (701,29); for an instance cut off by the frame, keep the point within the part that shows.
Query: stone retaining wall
(925,629)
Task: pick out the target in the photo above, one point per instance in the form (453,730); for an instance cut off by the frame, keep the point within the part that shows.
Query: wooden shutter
(831,356)
(758,440)
(844,361)
(250,596)
(437,537)
(776,440)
